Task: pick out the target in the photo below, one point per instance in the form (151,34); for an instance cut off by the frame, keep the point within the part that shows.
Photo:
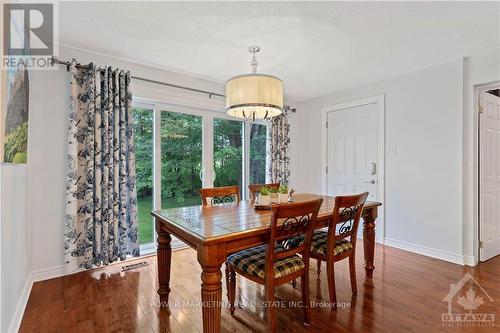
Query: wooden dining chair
(339,242)
(253,189)
(217,196)
(278,262)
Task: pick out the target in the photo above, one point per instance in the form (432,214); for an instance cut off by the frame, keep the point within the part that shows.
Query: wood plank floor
(405,295)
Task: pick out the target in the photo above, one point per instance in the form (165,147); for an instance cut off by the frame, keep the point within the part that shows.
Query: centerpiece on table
(283,194)
(274,195)
(268,196)
(264,197)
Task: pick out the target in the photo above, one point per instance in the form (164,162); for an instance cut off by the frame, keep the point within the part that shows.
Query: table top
(211,222)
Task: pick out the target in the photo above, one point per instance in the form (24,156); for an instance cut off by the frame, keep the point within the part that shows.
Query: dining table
(215,232)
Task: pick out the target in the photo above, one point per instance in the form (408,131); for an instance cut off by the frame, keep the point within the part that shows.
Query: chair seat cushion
(318,244)
(252,261)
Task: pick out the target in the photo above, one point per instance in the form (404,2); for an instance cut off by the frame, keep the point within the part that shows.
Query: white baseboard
(48,273)
(470,261)
(15,323)
(426,251)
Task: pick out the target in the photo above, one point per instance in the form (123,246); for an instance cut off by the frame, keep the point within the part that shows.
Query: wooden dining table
(218,231)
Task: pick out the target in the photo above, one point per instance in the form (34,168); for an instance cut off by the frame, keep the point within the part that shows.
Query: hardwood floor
(405,295)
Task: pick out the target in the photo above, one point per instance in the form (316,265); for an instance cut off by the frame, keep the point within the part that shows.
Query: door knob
(370,181)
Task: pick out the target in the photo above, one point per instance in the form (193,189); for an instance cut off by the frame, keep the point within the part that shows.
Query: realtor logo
(469,295)
(29,35)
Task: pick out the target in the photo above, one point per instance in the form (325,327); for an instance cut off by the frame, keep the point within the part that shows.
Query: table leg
(210,259)
(164,254)
(369,218)
(211,298)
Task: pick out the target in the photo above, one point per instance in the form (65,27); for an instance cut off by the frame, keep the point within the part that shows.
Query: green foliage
(181,146)
(273,190)
(258,140)
(264,191)
(228,152)
(16,144)
(283,189)
(143,126)
(20,158)
(181,159)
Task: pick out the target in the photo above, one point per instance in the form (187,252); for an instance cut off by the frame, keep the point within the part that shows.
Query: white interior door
(352,151)
(489,172)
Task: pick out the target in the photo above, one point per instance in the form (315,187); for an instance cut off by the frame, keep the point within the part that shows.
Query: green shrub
(21,158)
(16,144)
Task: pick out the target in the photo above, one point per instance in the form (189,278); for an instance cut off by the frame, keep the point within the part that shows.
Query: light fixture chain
(254,50)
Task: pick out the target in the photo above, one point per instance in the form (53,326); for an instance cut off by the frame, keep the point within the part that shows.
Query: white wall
(15,244)
(424,180)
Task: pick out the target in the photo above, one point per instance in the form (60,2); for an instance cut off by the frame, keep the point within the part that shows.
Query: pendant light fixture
(254,96)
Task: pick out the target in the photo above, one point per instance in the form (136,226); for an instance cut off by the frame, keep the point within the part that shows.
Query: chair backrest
(345,218)
(291,230)
(220,195)
(253,189)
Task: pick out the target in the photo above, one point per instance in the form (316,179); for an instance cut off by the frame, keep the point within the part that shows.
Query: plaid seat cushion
(252,261)
(318,244)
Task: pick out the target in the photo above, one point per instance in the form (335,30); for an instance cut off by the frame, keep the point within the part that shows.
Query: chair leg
(227,278)
(231,289)
(331,283)
(352,271)
(271,309)
(304,285)
(318,269)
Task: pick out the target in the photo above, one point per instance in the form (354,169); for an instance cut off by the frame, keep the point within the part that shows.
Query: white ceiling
(316,48)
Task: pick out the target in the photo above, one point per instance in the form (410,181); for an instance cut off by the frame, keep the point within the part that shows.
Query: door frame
(380,101)
(478,89)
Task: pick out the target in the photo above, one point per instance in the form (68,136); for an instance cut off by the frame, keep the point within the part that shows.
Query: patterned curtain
(101,201)
(279,148)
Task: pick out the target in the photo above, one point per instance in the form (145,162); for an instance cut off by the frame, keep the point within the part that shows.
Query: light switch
(392,150)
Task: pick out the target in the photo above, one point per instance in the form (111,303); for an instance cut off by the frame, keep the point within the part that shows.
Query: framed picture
(3,105)
(14,115)
(14,107)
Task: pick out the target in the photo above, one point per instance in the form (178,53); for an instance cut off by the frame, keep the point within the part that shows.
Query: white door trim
(380,101)
(478,89)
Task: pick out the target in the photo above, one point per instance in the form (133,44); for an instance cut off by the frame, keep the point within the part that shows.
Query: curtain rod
(54,60)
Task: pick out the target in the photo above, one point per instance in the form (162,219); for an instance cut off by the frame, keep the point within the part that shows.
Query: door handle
(370,181)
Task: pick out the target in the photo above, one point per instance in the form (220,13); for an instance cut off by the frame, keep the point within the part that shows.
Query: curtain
(279,148)
(101,202)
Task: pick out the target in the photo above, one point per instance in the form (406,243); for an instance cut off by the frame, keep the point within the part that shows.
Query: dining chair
(217,196)
(339,241)
(253,189)
(278,261)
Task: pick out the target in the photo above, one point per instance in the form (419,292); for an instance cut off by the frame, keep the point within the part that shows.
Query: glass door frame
(207,118)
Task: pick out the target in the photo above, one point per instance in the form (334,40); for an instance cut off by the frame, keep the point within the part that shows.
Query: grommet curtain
(101,202)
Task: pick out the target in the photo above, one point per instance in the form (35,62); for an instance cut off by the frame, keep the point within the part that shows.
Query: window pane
(258,139)
(228,141)
(143,127)
(181,146)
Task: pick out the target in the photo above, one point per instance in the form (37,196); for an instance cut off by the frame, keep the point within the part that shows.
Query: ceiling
(316,47)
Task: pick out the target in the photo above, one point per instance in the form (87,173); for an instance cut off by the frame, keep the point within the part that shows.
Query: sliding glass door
(143,127)
(180,150)
(181,159)
(258,149)
(228,153)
